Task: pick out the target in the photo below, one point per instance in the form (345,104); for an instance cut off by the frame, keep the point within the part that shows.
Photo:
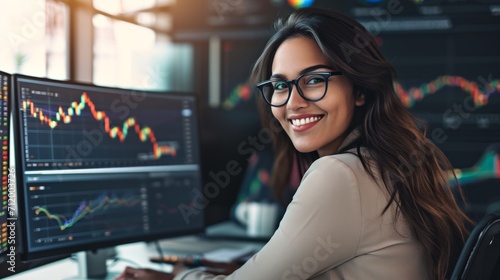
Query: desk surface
(138,254)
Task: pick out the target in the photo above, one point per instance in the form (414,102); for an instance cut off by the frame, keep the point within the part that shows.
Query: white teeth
(299,122)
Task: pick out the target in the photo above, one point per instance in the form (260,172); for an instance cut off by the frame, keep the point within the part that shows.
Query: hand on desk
(144,274)
(150,274)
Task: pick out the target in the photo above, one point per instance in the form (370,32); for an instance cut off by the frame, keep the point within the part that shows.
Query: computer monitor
(8,202)
(101,166)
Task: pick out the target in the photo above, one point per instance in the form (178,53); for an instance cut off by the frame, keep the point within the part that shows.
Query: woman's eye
(278,86)
(315,80)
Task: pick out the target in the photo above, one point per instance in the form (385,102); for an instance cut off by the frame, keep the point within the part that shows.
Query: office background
(446,52)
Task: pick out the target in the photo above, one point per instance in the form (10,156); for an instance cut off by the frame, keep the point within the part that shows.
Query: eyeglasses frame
(289,83)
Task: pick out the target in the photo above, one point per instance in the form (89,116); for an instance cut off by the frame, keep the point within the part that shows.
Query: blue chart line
(97,206)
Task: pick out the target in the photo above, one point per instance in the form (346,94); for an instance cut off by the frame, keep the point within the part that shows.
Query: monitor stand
(92,265)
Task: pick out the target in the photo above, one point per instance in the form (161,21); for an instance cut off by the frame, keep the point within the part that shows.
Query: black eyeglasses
(311,86)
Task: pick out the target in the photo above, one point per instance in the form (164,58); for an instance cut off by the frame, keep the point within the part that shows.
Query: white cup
(261,219)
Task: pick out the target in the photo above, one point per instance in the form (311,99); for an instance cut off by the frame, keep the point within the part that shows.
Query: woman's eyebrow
(314,67)
(306,70)
(278,76)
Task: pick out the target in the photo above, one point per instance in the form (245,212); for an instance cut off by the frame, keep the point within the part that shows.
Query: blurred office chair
(480,257)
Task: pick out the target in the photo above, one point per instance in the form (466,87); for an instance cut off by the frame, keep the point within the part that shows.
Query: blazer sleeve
(319,231)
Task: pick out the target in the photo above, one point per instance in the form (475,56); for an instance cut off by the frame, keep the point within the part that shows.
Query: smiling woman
(319,123)
(357,213)
(361,115)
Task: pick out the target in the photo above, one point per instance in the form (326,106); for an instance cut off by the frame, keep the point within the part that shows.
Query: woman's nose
(296,101)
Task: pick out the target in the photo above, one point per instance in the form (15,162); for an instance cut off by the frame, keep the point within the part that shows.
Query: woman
(375,202)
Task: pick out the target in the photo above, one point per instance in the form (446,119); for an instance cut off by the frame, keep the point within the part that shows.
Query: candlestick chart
(144,133)
(94,129)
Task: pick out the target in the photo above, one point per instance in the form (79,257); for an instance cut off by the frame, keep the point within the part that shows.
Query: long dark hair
(411,166)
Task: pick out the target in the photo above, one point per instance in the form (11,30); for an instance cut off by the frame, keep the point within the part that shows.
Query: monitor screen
(458,100)
(446,56)
(102,166)
(8,206)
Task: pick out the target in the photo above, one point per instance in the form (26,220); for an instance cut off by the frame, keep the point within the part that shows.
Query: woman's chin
(304,149)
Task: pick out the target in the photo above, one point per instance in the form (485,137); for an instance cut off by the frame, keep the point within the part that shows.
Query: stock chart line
(480,96)
(76,108)
(86,208)
(241,93)
(487,167)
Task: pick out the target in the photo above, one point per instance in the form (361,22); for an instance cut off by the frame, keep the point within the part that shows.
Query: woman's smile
(304,122)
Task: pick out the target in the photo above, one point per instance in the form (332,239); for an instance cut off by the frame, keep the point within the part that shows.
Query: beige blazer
(334,229)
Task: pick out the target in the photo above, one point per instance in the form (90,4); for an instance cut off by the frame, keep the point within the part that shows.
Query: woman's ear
(360,99)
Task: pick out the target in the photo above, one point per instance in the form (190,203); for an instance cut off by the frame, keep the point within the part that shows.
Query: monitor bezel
(28,255)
